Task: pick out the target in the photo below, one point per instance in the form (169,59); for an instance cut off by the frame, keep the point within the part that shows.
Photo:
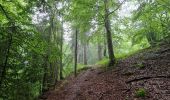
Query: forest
(84,49)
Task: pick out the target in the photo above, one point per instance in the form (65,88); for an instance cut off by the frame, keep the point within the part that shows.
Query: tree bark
(109,35)
(105,48)
(44,80)
(99,51)
(6,58)
(85,54)
(75,52)
(47,55)
(61,55)
(79,56)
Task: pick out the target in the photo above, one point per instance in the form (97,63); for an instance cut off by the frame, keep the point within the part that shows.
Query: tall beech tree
(108,34)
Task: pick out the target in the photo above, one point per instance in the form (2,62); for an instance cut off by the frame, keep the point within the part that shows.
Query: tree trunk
(61,53)
(85,54)
(44,80)
(109,35)
(105,48)
(75,56)
(46,59)
(79,53)
(56,72)
(99,51)
(6,59)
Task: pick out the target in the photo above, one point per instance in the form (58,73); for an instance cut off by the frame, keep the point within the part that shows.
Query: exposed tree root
(146,78)
(163,51)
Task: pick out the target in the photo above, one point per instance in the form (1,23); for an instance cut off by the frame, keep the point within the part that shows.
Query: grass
(80,66)
(69,69)
(104,62)
(82,69)
(125,55)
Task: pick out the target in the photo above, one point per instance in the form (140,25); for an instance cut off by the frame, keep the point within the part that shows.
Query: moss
(141,92)
(139,65)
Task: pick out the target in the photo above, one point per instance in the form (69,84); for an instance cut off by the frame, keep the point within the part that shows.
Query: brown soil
(149,70)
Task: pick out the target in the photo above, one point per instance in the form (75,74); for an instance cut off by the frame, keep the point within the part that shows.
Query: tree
(108,34)
(61,56)
(75,52)
(153,19)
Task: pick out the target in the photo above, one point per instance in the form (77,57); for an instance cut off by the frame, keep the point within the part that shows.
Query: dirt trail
(149,70)
(92,84)
(74,87)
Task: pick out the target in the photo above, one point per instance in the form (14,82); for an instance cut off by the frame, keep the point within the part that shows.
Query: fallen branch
(146,78)
(163,51)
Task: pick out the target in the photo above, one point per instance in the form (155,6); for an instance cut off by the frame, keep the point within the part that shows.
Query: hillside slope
(143,76)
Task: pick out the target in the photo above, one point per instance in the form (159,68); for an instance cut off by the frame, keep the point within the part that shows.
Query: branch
(5,12)
(146,78)
(117,7)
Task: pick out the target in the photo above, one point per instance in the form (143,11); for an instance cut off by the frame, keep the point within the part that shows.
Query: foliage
(153,21)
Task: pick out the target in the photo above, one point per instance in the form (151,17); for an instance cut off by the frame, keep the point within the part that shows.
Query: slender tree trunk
(78,53)
(44,80)
(10,37)
(85,54)
(99,44)
(75,56)
(61,55)
(56,73)
(109,35)
(81,54)
(46,59)
(99,51)
(105,48)
(6,59)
